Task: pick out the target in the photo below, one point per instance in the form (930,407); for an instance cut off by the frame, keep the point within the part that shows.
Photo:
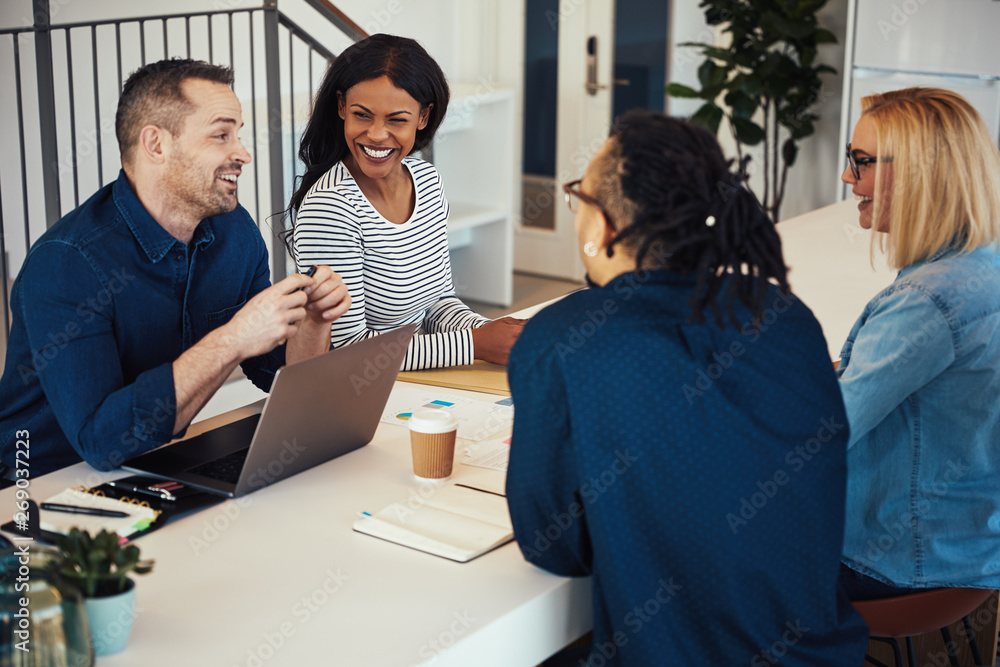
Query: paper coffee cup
(432,439)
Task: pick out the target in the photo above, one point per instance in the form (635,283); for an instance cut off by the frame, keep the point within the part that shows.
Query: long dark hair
(687,211)
(407,65)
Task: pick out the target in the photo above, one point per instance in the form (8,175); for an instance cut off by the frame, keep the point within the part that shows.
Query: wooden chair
(919,613)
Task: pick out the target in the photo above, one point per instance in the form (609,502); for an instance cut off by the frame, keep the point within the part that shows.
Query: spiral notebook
(147,507)
(140,515)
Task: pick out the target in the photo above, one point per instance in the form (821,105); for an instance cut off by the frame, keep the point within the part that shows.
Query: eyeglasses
(572,190)
(858,162)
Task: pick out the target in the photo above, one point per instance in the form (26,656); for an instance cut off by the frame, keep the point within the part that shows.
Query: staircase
(58,137)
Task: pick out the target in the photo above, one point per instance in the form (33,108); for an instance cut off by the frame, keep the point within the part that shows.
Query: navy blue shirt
(105,302)
(696,474)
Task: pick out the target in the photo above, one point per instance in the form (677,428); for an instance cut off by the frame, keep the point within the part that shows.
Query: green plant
(99,566)
(768,79)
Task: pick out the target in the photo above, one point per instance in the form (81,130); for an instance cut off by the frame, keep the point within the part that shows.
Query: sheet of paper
(477,420)
(492,454)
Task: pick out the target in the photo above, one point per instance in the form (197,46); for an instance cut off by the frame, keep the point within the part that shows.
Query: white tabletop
(278,577)
(830,267)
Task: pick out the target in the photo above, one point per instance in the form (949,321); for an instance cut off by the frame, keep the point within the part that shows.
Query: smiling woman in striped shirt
(377,215)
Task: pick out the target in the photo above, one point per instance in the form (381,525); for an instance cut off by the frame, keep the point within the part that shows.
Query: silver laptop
(317,410)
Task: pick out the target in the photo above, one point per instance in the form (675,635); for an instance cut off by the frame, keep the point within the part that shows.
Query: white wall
(813,181)
(472,40)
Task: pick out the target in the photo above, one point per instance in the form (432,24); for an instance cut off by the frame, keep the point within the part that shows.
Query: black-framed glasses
(858,162)
(572,189)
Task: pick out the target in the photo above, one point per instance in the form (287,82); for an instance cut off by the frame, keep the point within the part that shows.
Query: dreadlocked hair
(677,204)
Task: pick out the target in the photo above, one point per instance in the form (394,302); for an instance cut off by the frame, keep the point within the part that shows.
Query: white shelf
(465,215)
(474,153)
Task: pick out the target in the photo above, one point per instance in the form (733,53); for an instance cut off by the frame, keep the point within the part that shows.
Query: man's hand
(298,309)
(492,341)
(269,318)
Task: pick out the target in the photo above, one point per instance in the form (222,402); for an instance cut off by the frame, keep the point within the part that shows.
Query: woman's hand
(492,341)
(328,298)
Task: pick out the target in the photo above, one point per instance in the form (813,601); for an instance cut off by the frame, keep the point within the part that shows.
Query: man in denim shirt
(133,309)
(920,371)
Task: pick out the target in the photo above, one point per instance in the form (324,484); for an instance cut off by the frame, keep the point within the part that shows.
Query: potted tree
(768,81)
(99,567)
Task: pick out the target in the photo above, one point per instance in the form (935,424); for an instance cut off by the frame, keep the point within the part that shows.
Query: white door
(590,43)
(583,108)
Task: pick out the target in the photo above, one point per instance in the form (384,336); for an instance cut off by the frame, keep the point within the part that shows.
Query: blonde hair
(945,173)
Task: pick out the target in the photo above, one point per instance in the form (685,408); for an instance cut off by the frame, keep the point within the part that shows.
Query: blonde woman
(920,371)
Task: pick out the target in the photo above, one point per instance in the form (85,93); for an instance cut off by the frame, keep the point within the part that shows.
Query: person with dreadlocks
(693,466)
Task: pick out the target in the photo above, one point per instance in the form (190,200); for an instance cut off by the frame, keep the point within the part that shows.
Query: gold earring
(590,249)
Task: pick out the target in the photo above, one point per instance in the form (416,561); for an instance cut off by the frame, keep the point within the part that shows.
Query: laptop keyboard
(225,469)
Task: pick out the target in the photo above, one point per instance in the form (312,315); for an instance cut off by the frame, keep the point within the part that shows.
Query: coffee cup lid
(432,421)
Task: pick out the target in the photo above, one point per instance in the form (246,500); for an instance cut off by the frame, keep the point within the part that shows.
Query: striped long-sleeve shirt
(396,273)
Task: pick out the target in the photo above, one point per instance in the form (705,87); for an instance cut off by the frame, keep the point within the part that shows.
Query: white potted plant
(99,567)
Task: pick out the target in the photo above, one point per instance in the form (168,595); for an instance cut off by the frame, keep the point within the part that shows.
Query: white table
(830,267)
(278,577)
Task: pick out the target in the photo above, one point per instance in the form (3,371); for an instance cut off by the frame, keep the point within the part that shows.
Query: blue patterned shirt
(697,474)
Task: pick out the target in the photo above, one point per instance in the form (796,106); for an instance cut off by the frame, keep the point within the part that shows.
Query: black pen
(311,271)
(93,511)
(162,494)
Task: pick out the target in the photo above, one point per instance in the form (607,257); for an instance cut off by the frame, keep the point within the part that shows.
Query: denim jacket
(920,376)
(105,302)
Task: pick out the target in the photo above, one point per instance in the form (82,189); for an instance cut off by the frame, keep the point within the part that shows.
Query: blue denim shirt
(106,300)
(920,376)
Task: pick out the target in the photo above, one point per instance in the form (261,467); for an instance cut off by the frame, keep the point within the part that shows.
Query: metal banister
(263,43)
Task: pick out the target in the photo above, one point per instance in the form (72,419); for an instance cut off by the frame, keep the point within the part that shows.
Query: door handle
(591,85)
